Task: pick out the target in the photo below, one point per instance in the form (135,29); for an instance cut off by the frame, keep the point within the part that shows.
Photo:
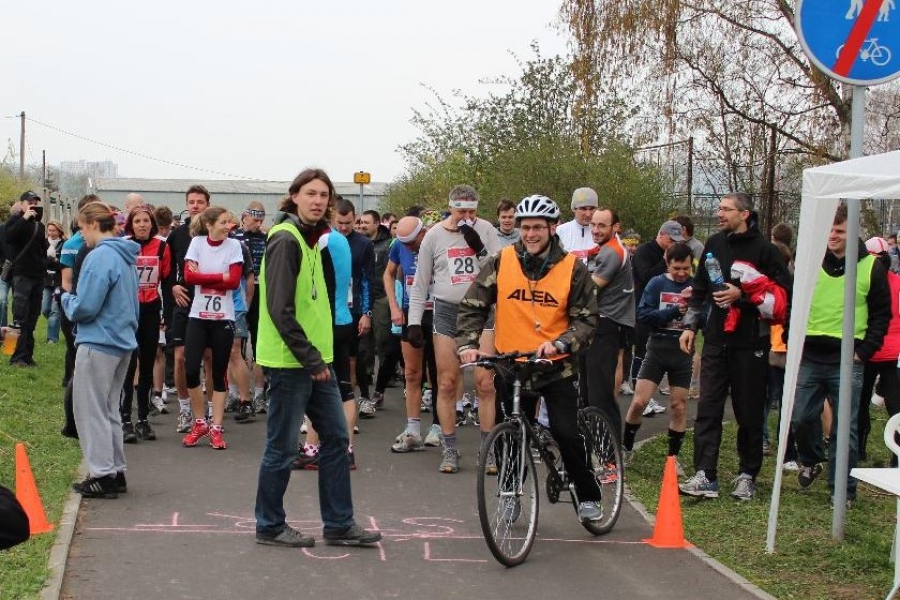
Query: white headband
(464,204)
(405,239)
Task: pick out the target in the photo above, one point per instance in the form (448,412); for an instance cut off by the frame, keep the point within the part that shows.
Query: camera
(38,212)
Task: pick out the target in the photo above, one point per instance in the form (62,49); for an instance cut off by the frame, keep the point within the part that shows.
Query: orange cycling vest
(530,313)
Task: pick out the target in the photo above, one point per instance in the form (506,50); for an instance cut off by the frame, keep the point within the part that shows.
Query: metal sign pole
(845,393)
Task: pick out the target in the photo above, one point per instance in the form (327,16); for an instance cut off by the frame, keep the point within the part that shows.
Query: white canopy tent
(875,176)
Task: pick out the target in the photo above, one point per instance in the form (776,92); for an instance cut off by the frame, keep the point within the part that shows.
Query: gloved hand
(472,238)
(415,336)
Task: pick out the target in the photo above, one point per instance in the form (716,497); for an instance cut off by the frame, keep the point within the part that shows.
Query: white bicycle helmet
(537,206)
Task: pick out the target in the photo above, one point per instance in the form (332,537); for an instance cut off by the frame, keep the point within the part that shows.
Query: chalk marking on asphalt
(424,528)
(309,553)
(374,525)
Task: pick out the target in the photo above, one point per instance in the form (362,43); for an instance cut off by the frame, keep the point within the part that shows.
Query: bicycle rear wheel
(605,460)
(508,501)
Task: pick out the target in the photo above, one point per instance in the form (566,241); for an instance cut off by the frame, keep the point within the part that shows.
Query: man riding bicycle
(547,306)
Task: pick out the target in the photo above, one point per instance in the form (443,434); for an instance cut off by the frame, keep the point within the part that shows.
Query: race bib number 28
(462,265)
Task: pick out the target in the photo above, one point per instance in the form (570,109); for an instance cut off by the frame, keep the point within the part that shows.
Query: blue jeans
(50,310)
(293,393)
(815,381)
(4,302)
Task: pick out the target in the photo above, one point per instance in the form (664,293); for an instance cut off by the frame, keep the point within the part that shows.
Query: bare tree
(730,72)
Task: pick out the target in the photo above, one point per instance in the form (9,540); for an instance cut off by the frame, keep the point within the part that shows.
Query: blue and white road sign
(854,41)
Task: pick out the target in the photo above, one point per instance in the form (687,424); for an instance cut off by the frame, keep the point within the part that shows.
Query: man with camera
(26,243)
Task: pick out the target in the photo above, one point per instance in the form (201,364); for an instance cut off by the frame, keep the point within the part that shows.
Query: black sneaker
(806,475)
(245,413)
(121,484)
(305,462)
(144,431)
(289,538)
(352,536)
(97,487)
(128,434)
(460,418)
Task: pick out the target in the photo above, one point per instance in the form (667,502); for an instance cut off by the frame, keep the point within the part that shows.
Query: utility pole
(22,148)
(690,174)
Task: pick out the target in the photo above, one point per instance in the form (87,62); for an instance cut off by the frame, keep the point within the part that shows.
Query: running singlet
(408,261)
(211,304)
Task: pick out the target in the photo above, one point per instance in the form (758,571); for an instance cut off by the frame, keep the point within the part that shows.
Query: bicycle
(871,50)
(508,499)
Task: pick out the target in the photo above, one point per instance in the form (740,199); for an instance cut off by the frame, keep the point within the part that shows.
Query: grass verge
(31,411)
(807,562)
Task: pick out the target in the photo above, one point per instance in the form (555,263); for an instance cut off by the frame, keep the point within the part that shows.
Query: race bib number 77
(147,271)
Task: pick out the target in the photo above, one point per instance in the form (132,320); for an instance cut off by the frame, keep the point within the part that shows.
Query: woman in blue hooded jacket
(105,313)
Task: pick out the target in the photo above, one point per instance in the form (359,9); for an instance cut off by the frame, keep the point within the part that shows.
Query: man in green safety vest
(295,349)
(819,375)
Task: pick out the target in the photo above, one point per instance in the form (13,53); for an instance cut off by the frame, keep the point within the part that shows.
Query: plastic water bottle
(714,269)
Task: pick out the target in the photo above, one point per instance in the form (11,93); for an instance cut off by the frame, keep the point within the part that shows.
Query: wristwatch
(368,313)
(561,346)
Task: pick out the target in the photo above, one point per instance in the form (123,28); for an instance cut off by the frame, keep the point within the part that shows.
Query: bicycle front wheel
(605,460)
(508,500)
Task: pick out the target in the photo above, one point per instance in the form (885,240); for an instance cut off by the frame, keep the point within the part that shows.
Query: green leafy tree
(11,187)
(532,139)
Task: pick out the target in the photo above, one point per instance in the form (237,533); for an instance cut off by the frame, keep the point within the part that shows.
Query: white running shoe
(160,406)
(433,438)
(366,408)
(185,422)
(407,442)
(653,408)
(625,389)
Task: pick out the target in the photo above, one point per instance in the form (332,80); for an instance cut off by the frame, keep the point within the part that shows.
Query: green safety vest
(313,314)
(826,314)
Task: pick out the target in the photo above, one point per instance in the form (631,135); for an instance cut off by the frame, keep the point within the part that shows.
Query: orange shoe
(199,430)
(216,441)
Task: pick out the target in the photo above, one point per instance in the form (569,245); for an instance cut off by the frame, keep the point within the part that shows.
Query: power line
(139,154)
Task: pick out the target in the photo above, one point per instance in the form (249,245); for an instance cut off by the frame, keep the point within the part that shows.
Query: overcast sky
(252,89)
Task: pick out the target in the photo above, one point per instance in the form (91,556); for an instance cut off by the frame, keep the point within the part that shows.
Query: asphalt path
(185,530)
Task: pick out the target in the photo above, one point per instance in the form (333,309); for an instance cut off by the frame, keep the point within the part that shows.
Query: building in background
(93,169)
(231,194)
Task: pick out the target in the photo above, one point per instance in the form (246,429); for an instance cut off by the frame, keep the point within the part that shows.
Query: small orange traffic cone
(669,530)
(27,493)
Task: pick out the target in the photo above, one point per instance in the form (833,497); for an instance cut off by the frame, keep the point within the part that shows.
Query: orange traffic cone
(27,493)
(669,530)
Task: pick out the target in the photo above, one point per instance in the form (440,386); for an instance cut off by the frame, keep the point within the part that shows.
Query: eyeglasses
(534,228)
(728,209)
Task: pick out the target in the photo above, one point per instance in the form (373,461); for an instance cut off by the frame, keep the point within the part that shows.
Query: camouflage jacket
(475,307)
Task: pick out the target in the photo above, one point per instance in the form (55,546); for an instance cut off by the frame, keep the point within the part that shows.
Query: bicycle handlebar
(489,362)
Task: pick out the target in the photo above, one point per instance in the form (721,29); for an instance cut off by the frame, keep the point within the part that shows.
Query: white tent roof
(875,176)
